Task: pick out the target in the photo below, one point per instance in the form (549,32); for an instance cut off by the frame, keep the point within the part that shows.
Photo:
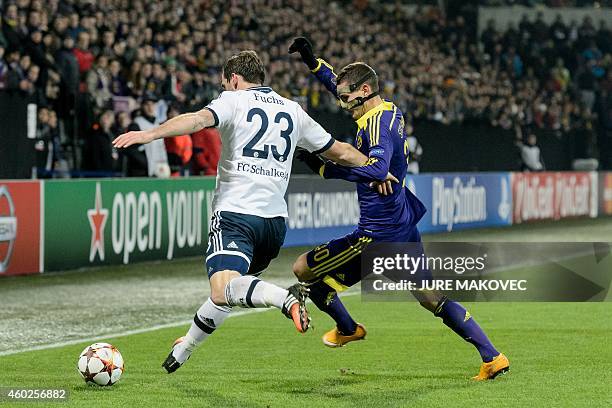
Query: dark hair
(246,64)
(356,72)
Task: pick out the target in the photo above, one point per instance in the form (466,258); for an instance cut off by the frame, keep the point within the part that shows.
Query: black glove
(304,47)
(311,160)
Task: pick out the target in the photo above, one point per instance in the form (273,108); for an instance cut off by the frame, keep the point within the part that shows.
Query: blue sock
(461,322)
(327,300)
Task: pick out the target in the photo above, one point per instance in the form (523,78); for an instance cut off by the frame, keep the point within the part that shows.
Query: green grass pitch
(560,353)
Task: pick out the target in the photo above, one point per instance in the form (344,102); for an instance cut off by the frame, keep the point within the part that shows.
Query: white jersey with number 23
(259,133)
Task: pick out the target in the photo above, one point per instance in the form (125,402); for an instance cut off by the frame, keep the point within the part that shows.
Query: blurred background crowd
(98,68)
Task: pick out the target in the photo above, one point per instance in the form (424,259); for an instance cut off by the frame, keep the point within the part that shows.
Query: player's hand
(300,44)
(311,160)
(391,177)
(385,187)
(304,47)
(134,137)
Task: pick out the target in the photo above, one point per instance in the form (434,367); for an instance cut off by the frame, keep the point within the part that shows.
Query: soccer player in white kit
(259,131)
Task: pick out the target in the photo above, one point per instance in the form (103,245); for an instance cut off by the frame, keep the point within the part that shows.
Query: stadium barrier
(554,195)
(319,211)
(65,224)
(605,193)
(460,201)
(18,119)
(21,239)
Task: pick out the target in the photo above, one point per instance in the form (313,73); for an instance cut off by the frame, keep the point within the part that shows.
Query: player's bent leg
(206,320)
(458,319)
(232,289)
(328,269)
(327,300)
(302,272)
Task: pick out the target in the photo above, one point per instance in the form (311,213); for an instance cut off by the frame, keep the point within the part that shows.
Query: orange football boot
(334,338)
(488,371)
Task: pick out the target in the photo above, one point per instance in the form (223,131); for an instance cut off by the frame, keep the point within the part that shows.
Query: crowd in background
(548,3)
(92,66)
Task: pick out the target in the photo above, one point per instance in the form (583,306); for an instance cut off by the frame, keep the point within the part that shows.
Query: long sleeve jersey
(381,137)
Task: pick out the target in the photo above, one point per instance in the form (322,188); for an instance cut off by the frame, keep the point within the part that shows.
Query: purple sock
(461,322)
(328,301)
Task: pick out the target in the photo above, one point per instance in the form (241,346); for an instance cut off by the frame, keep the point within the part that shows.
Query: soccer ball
(100,364)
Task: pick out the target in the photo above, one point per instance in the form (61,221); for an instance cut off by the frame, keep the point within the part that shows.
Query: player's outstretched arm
(186,123)
(302,46)
(345,154)
(321,69)
(350,164)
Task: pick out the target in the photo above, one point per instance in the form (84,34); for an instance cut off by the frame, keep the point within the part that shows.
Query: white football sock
(208,318)
(248,291)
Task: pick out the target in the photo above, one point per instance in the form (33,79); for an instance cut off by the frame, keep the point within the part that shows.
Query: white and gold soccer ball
(100,364)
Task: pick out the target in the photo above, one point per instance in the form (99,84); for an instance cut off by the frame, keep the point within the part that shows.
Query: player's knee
(218,283)
(301,269)
(218,298)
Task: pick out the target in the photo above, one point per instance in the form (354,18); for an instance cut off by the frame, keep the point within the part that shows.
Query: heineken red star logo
(97,220)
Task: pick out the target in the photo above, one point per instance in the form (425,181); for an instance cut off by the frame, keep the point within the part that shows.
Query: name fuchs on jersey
(267,99)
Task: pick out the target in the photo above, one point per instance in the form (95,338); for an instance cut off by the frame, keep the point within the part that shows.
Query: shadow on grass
(347,387)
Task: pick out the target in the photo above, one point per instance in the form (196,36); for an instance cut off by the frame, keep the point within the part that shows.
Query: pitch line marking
(135,331)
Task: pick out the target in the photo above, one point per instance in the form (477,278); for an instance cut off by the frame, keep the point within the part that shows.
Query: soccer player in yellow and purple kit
(387,214)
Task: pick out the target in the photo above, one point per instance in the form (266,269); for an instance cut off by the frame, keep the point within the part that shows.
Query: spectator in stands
(206,151)
(43,144)
(82,52)
(61,168)
(134,159)
(35,92)
(520,75)
(99,155)
(10,25)
(68,70)
(531,159)
(122,123)
(24,78)
(179,148)
(68,65)
(155,152)
(98,82)
(117,83)
(35,48)
(108,43)
(561,76)
(155,83)
(18,71)
(587,83)
(50,160)
(172,86)
(140,78)
(198,92)
(74,27)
